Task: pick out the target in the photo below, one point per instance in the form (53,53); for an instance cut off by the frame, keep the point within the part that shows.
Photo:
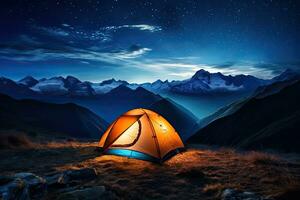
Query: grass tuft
(260,158)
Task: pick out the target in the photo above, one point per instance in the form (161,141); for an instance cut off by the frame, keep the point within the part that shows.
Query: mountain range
(107,105)
(202,88)
(202,82)
(111,98)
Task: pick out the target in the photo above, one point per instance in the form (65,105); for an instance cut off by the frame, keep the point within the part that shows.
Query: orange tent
(142,134)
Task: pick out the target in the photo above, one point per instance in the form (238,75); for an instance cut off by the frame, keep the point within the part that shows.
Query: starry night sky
(140,41)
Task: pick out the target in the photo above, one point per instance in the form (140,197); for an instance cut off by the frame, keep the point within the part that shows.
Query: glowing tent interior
(141,134)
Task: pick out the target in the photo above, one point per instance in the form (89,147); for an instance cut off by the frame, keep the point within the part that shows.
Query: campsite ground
(195,174)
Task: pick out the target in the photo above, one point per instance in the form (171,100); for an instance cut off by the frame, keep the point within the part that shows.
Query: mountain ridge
(61,119)
(202,82)
(254,124)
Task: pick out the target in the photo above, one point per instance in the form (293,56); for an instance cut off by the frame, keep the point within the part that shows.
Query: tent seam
(155,135)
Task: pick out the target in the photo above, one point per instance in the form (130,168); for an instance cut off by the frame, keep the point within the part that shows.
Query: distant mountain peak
(72,79)
(109,80)
(158,81)
(204,82)
(27,78)
(112,80)
(121,88)
(57,78)
(142,90)
(28,81)
(200,73)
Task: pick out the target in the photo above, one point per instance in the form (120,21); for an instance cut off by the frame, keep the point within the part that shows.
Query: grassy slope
(269,122)
(62,119)
(194,174)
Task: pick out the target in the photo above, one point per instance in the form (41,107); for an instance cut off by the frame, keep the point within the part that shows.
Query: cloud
(258,69)
(104,34)
(28,39)
(68,32)
(141,27)
(66,25)
(66,42)
(53,31)
(89,48)
(172,67)
(134,51)
(85,62)
(178,69)
(182,74)
(85,56)
(131,58)
(226,64)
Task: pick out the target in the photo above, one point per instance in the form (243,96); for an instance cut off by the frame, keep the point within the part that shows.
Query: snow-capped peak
(63,86)
(107,85)
(53,85)
(203,82)
(112,81)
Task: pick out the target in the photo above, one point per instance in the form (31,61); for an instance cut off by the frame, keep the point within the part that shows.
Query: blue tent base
(141,156)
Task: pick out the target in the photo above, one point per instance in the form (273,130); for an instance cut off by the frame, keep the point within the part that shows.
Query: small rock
(52,180)
(227,193)
(91,193)
(15,189)
(71,176)
(36,185)
(233,194)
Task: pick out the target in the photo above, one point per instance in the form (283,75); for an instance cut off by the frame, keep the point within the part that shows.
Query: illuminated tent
(141,134)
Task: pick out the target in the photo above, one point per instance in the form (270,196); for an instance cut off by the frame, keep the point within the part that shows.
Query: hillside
(61,119)
(260,123)
(182,119)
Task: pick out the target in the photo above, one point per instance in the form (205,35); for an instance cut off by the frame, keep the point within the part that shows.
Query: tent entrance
(130,136)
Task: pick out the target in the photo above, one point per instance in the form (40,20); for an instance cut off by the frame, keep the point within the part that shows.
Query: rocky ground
(74,170)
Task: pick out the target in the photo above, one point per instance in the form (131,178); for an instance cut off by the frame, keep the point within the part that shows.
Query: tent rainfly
(141,134)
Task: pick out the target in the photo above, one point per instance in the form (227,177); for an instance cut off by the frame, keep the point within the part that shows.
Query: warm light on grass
(189,174)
